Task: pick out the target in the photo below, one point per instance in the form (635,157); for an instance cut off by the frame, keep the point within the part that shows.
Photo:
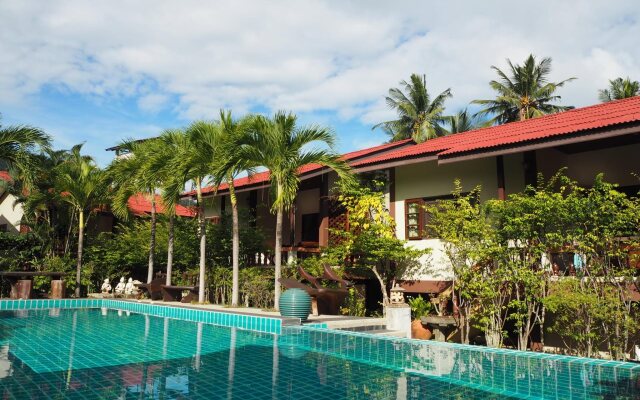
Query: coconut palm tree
(419,117)
(462,121)
(18,145)
(133,175)
(230,133)
(83,185)
(523,92)
(282,147)
(619,89)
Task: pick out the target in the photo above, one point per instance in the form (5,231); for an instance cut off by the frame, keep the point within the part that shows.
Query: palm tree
(160,150)
(619,89)
(133,175)
(17,147)
(282,147)
(462,121)
(81,184)
(419,117)
(43,212)
(195,152)
(230,133)
(525,94)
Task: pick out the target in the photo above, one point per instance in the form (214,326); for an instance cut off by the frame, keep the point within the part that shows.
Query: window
(417,218)
(414,218)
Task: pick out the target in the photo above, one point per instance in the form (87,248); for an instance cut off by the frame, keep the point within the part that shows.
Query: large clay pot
(295,303)
(420,331)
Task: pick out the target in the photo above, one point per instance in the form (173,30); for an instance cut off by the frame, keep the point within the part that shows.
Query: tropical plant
(83,185)
(46,216)
(419,116)
(230,132)
(282,147)
(18,145)
(133,175)
(523,92)
(194,152)
(371,242)
(124,252)
(619,89)
(462,121)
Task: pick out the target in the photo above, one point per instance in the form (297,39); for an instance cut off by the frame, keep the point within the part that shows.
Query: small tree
(371,240)
(82,184)
(470,245)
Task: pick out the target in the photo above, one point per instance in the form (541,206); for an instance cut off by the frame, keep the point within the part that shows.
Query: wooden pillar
(222,205)
(500,177)
(57,289)
(530,168)
(392,192)
(323,233)
(23,289)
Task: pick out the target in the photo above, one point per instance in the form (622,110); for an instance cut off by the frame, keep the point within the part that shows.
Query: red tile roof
(140,204)
(548,126)
(262,177)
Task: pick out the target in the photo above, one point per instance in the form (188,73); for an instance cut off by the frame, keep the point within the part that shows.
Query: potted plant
(419,308)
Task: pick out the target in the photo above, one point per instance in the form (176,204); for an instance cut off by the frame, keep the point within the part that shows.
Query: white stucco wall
(9,214)
(429,179)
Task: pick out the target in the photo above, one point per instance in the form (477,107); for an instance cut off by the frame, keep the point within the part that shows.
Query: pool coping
(265,324)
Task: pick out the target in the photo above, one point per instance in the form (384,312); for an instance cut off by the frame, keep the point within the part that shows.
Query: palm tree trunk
(80,248)
(170,249)
(203,241)
(278,257)
(152,243)
(235,254)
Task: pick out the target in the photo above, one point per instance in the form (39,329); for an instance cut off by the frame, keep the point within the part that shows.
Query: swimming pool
(90,352)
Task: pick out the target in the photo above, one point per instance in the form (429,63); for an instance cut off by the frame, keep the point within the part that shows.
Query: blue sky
(101,72)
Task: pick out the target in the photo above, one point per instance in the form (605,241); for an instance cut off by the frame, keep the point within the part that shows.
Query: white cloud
(305,56)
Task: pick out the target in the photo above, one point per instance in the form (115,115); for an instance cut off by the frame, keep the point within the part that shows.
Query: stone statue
(106,286)
(129,288)
(120,287)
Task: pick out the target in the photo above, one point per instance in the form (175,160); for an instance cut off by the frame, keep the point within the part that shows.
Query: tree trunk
(80,248)
(278,257)
(235,255)
(170,249)
(383,287)
(203,242)
(152,242)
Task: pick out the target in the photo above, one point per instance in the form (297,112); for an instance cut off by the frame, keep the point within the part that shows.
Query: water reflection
(180,360)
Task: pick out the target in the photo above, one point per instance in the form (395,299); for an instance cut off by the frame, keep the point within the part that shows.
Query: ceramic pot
(295,303)
(420,331)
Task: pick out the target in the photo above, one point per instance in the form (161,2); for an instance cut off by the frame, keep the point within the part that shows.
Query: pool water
(94,354)
(111,354)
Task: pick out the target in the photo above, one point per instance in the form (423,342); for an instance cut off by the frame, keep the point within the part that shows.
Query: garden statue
(106,286)
(120,287)
(129,288)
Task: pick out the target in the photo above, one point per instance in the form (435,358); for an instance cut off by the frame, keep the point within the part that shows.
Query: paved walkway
(332,321)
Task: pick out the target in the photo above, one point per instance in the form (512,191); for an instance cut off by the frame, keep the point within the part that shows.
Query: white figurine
(121,286)
(129,288)
(106,286)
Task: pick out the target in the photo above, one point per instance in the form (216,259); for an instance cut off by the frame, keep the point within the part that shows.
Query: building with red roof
(603,138)
(140,205)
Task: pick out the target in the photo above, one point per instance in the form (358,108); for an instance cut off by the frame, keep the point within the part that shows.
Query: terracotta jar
(420,331)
